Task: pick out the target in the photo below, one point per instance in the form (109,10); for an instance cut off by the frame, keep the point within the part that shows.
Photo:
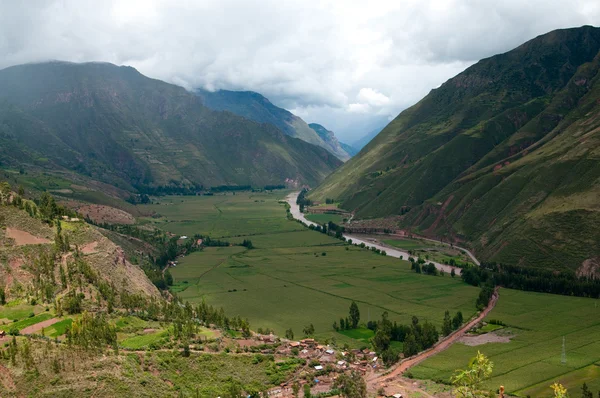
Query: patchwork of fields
(532,360)
(294,276)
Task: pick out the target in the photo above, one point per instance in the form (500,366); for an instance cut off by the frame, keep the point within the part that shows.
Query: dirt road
(37,328)
(442,345)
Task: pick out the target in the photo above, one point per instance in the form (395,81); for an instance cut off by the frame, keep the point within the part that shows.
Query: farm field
(221,215)
(531,361)
(434,251)
(325,218)
(295,276)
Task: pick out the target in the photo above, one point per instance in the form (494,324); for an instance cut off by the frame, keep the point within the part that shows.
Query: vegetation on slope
(504,156)
(117,126)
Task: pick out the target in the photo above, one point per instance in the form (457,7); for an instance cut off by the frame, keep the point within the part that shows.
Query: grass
(531,361)
(59,328)
(16,310)
(144,340)
(361,334)
(222,215)
(325,218)
(431,250)
(295,276)
(22,324)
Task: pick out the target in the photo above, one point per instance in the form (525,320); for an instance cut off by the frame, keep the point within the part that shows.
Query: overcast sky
(349,65)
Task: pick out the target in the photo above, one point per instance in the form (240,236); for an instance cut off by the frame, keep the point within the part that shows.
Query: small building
(2,333)
(294,344)
(318,367)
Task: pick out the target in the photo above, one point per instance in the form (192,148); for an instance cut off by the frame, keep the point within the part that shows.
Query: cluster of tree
(92,332)
(329,201)
(141,199)
(532,279)
(351,321)
(302,201)
(44,208)
(420,267)
(274,187)
(231,188)
(351,385)
(207,241)
(175,188)
(451,324)
(309,330)
(247,243)
(416,337)
(24,352)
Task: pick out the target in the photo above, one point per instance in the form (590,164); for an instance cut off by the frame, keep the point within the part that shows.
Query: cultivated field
(294,276)
(531,361)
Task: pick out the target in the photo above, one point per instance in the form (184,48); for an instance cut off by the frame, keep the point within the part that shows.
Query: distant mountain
(117,126)
(350,150)
(363,141)
(504,156)
(329,137)
(254,106)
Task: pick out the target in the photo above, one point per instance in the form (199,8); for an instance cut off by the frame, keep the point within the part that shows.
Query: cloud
(330,61)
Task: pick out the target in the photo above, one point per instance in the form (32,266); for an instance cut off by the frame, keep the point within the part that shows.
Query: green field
(22,324)
(295,276)
(222,215)
(532,360)
(325,218)
(430,250)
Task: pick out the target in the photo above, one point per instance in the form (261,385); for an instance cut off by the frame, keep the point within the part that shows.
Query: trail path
(441,346)
(390,251)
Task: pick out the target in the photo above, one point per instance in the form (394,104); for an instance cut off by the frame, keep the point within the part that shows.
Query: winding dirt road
(442,345)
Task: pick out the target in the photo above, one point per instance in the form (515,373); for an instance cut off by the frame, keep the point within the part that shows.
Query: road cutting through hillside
(392,252)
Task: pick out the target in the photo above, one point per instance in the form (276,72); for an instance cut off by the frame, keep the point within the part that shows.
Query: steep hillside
(350,150)
(117,126)
(504,156)
(329,137)
(254,106)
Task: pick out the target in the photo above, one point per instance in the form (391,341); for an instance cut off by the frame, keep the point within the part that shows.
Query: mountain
(113,124)
(504,156)
(254,106)
(350,150)
(331,140)
(363,141)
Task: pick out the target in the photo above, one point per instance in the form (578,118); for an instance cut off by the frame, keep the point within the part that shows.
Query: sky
(349,65)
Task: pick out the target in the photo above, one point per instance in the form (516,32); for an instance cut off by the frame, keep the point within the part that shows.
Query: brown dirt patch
(89,248)
(247,342)
(6,378)
(22,238)
(34,329)
(107,214)
(590,268)
(475,340)
(149,330)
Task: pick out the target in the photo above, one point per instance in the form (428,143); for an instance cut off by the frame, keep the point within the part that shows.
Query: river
(390,251)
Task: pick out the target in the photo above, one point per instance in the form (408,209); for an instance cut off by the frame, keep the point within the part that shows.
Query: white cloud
(345,64)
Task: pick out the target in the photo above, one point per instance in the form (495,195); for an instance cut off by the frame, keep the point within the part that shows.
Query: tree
(354,315)
(4,192)
(457,320)
(309,330)
(410,346)
(2,296)
(447,324)
(452,273)
(289,334)
(468,382)
(342,324)
(559,391)
(381,340)
(585,392)
(295,388)
(307,391)
(351,385)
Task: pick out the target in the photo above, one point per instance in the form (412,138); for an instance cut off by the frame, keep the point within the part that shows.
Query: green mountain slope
(254,106)
(117,126)
(504,156)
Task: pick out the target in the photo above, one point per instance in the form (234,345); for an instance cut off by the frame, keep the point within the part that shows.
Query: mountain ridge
(113,124)
(435,163)
(255,106)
